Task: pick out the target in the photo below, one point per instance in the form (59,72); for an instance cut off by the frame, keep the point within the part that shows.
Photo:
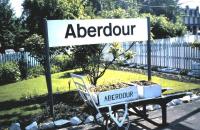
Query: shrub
(64,62)
(196,44)
(55,69)
(154,68)
(9,72)
(184,72)
(35,71)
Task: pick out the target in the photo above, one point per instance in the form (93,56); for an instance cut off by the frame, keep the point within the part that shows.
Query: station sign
(96,31)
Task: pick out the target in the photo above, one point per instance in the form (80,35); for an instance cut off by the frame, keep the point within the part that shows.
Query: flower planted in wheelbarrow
(147,89)
(115,93)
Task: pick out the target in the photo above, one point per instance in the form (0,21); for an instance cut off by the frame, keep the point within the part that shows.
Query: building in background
(191,19)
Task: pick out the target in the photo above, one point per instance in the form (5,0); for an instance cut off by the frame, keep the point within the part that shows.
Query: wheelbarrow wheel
(111,125)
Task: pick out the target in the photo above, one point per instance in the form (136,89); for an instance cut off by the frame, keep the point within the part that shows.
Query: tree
(168,8)
(119,13)
(90,59)
(12,33)
(34,13)
(36,10)
(162,27)
(109,5)
(36,46)
(7,22)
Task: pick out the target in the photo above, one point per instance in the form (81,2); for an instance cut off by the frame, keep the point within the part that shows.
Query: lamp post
(23,64)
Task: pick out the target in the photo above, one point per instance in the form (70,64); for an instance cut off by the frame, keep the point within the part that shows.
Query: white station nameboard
(96,31)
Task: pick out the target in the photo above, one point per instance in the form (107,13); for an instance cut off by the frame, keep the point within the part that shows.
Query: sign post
(48,69)
(149,48)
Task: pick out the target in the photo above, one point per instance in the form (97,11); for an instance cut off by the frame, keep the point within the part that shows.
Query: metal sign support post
(47,69)
(149,48)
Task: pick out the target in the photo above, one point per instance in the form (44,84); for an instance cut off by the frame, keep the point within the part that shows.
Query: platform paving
(181,117)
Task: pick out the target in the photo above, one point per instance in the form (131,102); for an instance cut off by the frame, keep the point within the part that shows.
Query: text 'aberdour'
(91,31)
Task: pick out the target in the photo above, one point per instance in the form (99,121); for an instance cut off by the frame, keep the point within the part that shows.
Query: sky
(16,5)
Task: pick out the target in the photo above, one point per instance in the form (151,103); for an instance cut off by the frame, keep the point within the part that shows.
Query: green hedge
(35,71)
(9,72)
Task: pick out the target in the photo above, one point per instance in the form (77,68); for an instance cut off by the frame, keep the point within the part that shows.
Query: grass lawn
(14,114)
(37,86)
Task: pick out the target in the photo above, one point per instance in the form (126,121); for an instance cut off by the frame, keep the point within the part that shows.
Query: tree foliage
(34,13)
(168,8)
(119,13)
(36,10)
(91,59)
(11,30)
(36,46)
(162,27)
(113,4)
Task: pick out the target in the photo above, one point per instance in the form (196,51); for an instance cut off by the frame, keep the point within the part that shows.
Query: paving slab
(181,117)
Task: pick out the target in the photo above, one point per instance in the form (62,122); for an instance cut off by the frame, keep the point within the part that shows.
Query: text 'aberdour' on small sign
(95,31)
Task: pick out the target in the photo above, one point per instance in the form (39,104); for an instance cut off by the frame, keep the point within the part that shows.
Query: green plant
(62,61)
(196,44)
(162,27)
(9,72)
(90,59)
(154,68)
(35,71)
(55,69)
(184,72)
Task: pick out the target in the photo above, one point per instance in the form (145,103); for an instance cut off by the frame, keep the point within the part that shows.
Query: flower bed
(103,88)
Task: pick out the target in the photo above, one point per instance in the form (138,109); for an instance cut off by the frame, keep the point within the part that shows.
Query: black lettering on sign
(99,30)
(92,31)
(81,31)
(118,96)
(117,30)
(126,31)
(70,31)
(108,30)
(132,28)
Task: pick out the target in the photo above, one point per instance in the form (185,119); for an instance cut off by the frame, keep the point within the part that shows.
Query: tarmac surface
(182,117)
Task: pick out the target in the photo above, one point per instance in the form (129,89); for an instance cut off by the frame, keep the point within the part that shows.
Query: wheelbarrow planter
(111,107)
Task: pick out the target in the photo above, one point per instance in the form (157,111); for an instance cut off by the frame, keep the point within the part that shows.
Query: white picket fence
(17,56)
(171,52)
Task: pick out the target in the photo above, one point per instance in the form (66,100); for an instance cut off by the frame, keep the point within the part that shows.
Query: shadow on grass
(9,116)
(7,119)
(31,108)
(70,97)
(26,111)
